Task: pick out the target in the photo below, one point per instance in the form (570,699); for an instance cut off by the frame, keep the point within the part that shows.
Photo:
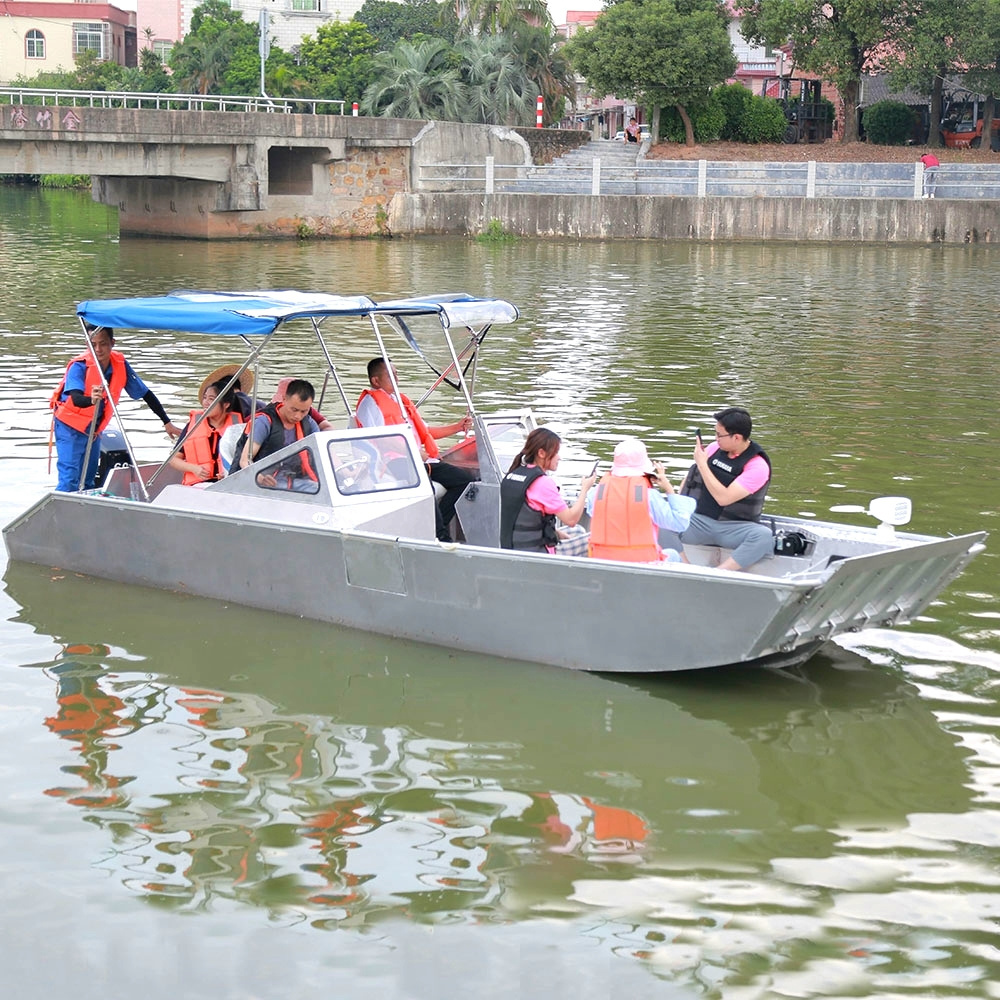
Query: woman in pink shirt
(530,503)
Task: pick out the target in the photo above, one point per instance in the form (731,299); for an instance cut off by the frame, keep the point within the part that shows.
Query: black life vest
(727,470)
(521,527)
(296,465)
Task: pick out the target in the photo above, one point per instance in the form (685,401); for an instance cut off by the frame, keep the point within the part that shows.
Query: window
(163,50)
(293,472)
(34,45)
(305,4)
(90,35)
(368,465)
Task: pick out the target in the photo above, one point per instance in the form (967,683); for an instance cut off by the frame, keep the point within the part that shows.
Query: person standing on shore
(931,163)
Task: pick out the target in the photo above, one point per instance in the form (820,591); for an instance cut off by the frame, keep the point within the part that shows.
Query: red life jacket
(201,446)
(392,414)
(620,526)
(79,417)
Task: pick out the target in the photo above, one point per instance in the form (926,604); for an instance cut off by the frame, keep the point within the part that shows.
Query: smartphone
(697,434)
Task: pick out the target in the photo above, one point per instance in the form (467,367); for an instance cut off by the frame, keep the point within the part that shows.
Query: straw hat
(631,459)
(245,383)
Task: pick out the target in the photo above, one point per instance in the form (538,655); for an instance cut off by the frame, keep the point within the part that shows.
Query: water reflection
(826,832)
(347,779)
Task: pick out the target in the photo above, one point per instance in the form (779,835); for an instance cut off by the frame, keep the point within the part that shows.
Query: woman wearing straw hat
(243,388)
(199,456)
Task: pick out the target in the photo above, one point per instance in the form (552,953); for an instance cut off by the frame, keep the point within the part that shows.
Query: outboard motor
(113,453)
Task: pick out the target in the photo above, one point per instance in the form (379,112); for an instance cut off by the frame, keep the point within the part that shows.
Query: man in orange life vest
(73,402)
(277,425)
(378,407)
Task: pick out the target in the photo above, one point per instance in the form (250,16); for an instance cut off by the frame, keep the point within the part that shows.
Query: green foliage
(708,121)
(659,52)
(495,233)
(338,63)
(840,40)
(889,123)
(416,80)
(763,121)
(91,73)
(65,181)
(735,99)
(493,16)
(389,21)
(497,88)
(216,55)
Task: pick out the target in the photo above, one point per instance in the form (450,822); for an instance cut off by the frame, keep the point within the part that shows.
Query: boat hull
(578,613)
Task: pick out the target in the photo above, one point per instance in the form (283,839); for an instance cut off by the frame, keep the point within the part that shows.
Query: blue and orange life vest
(80,417)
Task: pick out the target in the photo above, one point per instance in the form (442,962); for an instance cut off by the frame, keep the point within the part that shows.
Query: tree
(389,21)
(978,43)
(338,62)
(839,40)
(492,16)
(923,52)
(542,50)
(219,41)
(660,52)
(497,88)
(416,80)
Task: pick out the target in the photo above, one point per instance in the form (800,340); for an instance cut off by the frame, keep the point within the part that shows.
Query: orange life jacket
(201,446)
(79,417)
(392,414)
(620,526)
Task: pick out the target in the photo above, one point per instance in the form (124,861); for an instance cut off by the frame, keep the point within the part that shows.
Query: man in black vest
(278,425)
(729,480)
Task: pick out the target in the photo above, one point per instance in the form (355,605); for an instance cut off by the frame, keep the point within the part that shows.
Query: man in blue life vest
(75,422)
(729,480)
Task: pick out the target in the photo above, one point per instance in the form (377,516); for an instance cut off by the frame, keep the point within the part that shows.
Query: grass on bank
(47,180)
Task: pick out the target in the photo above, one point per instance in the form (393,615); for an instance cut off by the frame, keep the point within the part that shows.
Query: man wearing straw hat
(80,412)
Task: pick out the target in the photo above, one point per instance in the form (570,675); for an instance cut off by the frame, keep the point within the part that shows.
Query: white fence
(35,97)
(703,178)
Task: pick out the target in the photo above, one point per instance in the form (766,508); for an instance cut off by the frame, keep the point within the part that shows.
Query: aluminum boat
(359,548)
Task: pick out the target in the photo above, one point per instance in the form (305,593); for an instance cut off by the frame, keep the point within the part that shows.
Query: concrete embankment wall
(835,220)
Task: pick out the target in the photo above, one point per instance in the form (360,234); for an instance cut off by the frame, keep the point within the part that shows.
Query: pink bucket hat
(631,459)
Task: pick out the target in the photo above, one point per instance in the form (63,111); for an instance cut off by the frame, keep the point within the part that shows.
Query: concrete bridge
(218,174)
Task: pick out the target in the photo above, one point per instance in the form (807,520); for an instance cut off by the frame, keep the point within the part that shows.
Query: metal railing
(39,97)
(704,178)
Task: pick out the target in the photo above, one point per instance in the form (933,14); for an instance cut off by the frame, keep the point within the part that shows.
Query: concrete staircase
(572,173)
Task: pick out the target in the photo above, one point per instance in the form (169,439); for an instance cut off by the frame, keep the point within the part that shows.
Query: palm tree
(540,48)
(491,16)
(416,80)
(201,63)
(499,91)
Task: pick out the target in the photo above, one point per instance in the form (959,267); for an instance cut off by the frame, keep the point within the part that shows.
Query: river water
(201,800)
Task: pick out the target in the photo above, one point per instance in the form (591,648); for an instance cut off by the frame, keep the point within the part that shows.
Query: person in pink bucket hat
(626,514)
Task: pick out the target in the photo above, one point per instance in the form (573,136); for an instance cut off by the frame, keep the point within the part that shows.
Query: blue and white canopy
(260,313)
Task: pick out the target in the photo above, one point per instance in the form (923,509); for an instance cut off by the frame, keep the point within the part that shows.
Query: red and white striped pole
(538,111)
(354,109)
